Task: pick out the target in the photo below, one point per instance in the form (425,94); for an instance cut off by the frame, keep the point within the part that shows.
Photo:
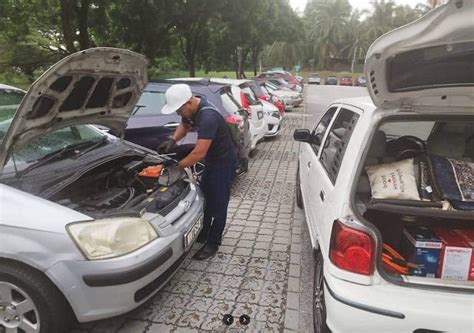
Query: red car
(345,81)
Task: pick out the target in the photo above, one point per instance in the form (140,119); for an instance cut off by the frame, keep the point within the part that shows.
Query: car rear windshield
(432,67)
(151,102)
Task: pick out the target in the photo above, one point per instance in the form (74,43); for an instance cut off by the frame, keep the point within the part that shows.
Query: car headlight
(109,238)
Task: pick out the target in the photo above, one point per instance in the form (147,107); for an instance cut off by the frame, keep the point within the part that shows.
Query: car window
(420,129)
(151,102)
(320,129)
(251,98)
(9,102)
(229,102)
(336,142)
(257,89)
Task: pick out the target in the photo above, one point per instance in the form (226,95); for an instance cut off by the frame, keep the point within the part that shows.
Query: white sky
(298,5)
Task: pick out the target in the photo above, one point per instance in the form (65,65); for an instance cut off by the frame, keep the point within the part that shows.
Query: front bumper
(106,288)
(386,307)
(273,126)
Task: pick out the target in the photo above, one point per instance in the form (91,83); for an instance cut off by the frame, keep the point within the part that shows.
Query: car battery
(457,258)
(421,247)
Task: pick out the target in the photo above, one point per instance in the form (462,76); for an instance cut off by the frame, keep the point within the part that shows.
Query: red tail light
(351,249)
(245,103)
(235,120)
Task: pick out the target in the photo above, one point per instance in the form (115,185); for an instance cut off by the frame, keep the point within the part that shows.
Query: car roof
(198,87)
(363,102)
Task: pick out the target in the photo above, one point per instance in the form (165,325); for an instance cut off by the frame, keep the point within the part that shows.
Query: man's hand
(166,146)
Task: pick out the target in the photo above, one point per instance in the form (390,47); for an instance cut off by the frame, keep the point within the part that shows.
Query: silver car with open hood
(91,226)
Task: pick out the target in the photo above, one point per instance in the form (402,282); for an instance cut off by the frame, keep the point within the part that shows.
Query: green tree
(326,25)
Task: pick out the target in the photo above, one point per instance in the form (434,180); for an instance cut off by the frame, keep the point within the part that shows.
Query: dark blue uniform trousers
(216,183)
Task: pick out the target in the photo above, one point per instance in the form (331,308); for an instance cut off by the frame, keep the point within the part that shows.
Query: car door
(324,172)
(308,171)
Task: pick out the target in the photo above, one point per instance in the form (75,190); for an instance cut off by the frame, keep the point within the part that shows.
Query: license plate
(193,232)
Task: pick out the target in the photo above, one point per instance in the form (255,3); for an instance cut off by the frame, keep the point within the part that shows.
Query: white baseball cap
(176,96)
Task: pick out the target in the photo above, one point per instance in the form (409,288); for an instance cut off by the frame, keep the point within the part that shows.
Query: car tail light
(352,249)
(245,103)
(235,120)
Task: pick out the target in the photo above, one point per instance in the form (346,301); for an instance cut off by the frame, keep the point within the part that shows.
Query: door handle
(321,195)
(309,164)
(171,125)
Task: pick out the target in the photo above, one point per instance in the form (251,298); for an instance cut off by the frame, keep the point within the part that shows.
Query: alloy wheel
(18,312)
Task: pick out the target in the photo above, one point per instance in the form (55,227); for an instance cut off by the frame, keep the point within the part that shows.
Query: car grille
(159,281)
(172,205)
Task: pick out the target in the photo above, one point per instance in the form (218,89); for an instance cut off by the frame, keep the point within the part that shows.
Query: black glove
(166,146)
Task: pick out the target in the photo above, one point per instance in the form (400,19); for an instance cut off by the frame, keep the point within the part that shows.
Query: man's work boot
(206,252)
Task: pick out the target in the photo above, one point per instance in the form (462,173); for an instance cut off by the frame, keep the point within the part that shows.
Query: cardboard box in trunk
(457,256)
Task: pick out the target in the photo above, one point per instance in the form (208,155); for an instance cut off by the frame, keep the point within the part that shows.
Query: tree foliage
(191,34)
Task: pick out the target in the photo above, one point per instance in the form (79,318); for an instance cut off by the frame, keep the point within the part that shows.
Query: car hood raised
(429,62)
(96,86)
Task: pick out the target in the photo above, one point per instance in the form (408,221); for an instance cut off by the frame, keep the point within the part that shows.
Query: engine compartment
(121,186)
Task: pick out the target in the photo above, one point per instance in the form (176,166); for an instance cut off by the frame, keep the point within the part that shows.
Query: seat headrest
(378,146)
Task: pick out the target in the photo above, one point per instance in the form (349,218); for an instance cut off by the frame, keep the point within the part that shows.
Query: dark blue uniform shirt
(211,125)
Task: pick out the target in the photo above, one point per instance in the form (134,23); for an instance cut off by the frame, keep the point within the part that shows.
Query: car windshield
(151,102)
(271,86)
(81,136)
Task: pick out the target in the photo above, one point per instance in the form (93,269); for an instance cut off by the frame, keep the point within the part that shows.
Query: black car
(331,80)
(148,127)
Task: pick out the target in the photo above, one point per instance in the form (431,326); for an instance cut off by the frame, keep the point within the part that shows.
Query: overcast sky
(299,5)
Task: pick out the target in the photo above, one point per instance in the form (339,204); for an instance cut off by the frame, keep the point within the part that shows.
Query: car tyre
(299,196)
(29,299)
(319,304)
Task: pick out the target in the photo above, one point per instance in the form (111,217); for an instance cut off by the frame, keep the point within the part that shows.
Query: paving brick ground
(258,267)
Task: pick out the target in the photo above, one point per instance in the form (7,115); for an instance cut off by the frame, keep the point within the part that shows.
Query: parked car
(241,91)
(360,81)
(376,175)
(282,91)
(314,78)
(10,99)
(282,83)
(273,119)
(267,96)
(345,80)
(148,127)
(89,227)
(286,98)
(331,80)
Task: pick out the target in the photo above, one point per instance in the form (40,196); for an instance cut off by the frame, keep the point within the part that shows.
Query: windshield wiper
(63,151)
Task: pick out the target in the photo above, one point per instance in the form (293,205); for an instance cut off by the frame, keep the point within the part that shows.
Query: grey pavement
(258,270)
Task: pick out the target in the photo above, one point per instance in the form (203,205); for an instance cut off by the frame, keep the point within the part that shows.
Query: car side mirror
(302,135)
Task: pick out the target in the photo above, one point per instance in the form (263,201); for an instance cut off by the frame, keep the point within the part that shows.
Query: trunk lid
(429,62)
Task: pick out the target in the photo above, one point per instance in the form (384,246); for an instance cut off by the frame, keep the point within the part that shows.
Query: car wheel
(30,303)
(252,153)
(319,304)
(299,196)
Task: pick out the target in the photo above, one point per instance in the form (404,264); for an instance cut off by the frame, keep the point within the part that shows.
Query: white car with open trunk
(377,176)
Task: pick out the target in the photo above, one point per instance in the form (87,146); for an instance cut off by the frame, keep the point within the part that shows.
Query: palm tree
(326,24)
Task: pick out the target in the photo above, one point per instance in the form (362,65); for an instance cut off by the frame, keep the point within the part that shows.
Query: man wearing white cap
(216,146)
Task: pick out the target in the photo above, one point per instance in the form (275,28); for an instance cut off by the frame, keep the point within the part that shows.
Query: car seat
(449,140)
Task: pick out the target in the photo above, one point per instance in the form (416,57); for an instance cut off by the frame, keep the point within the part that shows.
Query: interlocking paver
(257,269)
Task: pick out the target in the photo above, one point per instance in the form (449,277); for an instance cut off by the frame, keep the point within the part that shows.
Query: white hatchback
(415,136)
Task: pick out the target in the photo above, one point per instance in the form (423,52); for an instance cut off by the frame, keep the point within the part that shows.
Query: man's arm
(197,154)
(181,131)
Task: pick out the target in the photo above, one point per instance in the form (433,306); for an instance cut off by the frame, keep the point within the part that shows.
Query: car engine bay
(127,184)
